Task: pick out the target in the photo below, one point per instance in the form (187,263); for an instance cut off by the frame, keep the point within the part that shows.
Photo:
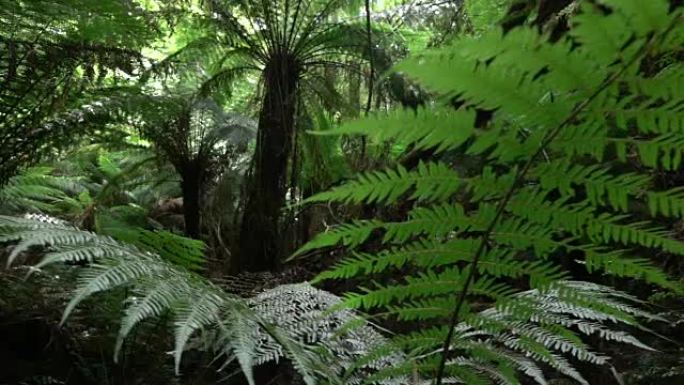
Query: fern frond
(437,221)
(348,234)
(157,298)
(421,253)
(668,203)
(546,333)
(598,183)
(450,129)
(618,264)
(430,181)
(183,251)
(156,287)
(201,311)
(290,321)
(498,85)
(582,220)
(36,190)
(565,165)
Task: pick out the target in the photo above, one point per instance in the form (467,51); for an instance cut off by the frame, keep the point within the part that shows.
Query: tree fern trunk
(354,90)
(191,185)
(260,234)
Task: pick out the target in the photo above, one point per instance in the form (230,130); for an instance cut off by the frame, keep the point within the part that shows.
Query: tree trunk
(191,185)
(260,246)
(354,90)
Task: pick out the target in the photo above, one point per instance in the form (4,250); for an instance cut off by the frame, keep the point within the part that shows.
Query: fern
(430,181)
(155,287)
(37,190)
(290,321)
(321,337)
(185,252)
(559,179)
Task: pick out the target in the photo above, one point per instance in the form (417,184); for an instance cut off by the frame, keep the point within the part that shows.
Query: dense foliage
(556,183)
(516,214)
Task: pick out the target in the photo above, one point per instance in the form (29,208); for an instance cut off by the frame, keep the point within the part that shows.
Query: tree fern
(49,74)
(38,189)
(558,180)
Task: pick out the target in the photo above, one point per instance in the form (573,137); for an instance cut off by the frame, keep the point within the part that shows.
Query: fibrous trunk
(354,90)
(260,233)
(191,185)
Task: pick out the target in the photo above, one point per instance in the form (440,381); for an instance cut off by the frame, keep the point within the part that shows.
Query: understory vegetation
(397,192)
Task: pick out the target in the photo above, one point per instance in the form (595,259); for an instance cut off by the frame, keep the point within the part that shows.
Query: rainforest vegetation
(341,192)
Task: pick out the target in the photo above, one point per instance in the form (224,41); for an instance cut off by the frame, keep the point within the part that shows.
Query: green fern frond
(430,181)
(422,253)
(183,251)
(600,186)
(37,190)
(618,264)
(601,228)
(437,221)
(668,203)
(450,128)
(544,334)
(564,169)
(348,234)
(498,85)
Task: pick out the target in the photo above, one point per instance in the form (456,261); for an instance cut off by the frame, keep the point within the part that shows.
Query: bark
(371,64)
(261,235)
(191,185)
(354,90)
